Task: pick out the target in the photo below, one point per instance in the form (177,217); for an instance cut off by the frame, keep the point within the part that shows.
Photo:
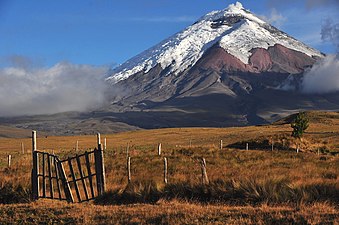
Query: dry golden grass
(174,212)
(183,147)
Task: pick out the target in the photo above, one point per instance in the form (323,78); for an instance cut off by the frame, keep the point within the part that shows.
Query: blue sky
(103,32)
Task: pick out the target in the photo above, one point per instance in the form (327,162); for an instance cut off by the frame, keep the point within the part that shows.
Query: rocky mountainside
(226,69)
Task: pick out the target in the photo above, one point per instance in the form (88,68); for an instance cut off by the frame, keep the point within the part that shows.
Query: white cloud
(323,77)
(275,18)
(62,87)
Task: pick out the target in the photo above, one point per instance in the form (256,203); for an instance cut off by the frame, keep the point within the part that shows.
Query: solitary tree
(299,125)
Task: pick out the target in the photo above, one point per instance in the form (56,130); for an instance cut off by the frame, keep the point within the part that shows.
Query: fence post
(9,161)
(35,169)
(103,173)
(129,169)
(165,170)
(221,145)
(272,145)
(100,167)
(204,176)
(105,144)
(22,148)
(283,143)
(159,149)
(77,146)
(246,146)
(98,139)
(127,150)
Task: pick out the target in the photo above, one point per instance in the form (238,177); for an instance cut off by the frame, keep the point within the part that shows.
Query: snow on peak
(235,29)
(235,7)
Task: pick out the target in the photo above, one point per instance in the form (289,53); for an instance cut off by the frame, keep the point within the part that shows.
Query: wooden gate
(82,175)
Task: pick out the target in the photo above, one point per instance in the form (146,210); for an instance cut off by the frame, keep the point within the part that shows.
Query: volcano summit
(225,69)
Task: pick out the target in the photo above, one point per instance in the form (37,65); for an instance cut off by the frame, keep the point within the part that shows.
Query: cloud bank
(60,88)
(323,77)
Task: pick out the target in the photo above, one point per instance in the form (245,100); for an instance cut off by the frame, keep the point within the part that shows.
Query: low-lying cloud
(323,77)
(60,88)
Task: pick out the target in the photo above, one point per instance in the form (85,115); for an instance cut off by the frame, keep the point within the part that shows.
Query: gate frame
(99,172)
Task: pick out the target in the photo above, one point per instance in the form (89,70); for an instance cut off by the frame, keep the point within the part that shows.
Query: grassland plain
(258,186)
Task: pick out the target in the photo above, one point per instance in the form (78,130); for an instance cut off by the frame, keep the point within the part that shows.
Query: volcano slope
(230,68)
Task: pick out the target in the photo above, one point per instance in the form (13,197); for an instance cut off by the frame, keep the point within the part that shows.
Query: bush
(299,125)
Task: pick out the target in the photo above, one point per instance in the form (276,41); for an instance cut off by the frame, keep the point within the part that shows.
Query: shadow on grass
(10,194)
(232,192)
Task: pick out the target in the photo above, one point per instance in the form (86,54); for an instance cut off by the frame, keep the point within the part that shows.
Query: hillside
(12,132)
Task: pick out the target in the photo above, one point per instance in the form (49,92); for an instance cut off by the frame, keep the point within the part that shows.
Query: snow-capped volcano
(234,29)
(225,69)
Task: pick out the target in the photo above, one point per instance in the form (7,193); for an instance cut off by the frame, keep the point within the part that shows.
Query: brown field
(259,186)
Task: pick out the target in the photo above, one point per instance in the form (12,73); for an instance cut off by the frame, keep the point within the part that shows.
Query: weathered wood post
(190,143)
(159,149)
(165,170)
(9,157)
(221,145)
(100,167)
(297,148)
(318,151)
(246,146)
(35,169)
(272,145)
(204,177)
(127,150)
(22,148)
(77,146)
(129,169)
(105,144)
(98,139)
(283,143)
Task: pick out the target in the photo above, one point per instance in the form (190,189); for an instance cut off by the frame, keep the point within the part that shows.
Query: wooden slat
(49,157)
(88,165)
(67,188)
(74,179)
(57,176)
(82,177)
